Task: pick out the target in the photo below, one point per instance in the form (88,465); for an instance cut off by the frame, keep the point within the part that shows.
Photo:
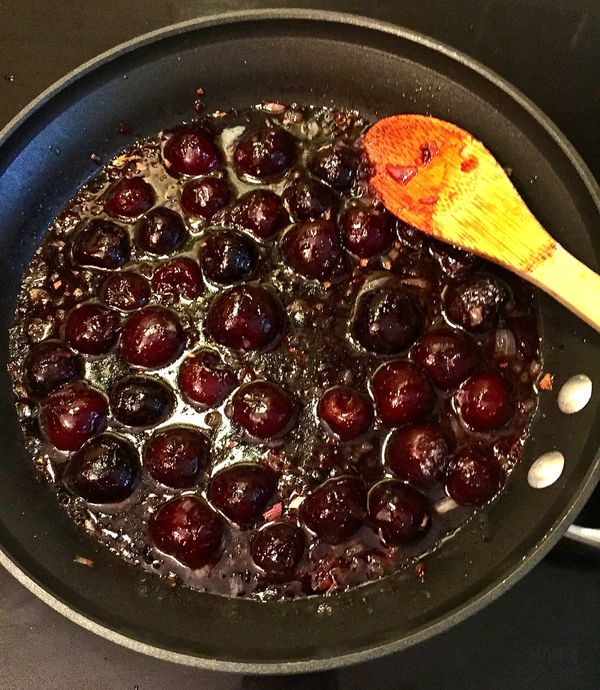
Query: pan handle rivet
(546,470)
(575,394)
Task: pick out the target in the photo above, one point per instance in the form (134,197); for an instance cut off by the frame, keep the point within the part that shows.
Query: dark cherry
(402,394)
(448,357)
(336,164)
(50,365)
(126,291)
(366,232)
(418,454)
(92,329)
(246,317)
(485,402)
(264,154)
(475,476)
(454,262)
(191,151)
(161,231)
(335,510)
(205,380)
(141,401)
(101,244)
(386,320)
(264,410)
(105,470)
(242,491)
(277,549)
(313,249)
(129,198)
(152,337)
(410,236)
(178,278)
(308,199)
(475,304)
(400,513)
(177,456)
(187,529)
(205,197)
(261,212)
(73,415)
(346,412)
(228,257)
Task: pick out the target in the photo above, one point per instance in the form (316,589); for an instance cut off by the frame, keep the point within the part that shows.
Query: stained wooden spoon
(440,179)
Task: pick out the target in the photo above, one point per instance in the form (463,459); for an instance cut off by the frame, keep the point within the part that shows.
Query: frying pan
(309,57)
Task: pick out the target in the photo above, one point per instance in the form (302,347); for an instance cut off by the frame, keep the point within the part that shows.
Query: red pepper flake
(276,108)
(125,128)
(428,152)
(401,173)
(198,105)
(274,512)
(469,164)
(420,571)
(96,158)
(84,561)
(429,200)
(200,91)
(546,381)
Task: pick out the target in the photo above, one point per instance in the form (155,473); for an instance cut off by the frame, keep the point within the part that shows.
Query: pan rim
(492,591)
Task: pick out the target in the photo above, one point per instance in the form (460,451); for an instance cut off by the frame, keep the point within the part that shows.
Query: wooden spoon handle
(571,283)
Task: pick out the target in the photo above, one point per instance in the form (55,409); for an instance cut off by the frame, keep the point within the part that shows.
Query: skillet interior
(320,60)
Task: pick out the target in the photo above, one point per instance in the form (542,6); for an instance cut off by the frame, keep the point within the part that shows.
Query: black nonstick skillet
(321,58)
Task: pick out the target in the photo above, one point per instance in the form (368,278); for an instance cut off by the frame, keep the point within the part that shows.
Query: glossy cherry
(308,199)
(366,232)
(141,401)
(187,529)
(448,357)
(73,415)
(105,470)
(454,262)
(475,476)
(264,410)
(242,491)
(177,456)
(400,513)
(475,304)
(485,402)
(264,154)
(228,257)
(335,510)
(205,380)
(246,317)
(346,412)
(386,320)
(92,329)
(161,231)
(277,549)
(336,164)
(261,212)
(178,278)
(203,198)
(129,198)
(101,244)
(402,394)
(50,365)
(126,291)
(418,454)
(313,249)
(191,151)
(152,337)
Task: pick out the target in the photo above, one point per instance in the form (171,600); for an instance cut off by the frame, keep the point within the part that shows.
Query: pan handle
(588,536)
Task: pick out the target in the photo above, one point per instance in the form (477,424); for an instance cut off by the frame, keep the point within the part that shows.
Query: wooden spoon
(440,179)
